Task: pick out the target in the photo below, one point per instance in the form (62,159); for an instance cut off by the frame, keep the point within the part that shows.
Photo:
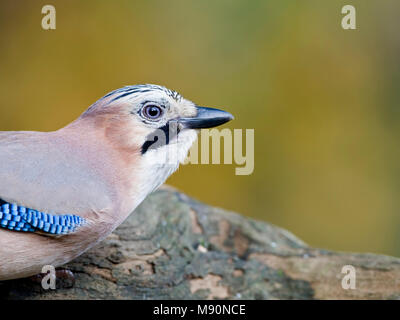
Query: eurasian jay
(62,192)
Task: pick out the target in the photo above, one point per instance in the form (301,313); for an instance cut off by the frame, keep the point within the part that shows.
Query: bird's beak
(206,118)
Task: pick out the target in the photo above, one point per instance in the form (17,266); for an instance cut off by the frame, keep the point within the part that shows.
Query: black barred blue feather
(19,218)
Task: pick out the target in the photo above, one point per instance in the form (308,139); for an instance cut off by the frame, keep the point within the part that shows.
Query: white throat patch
(160,163)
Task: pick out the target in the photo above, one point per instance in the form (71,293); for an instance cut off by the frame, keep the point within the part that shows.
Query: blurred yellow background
(324,102)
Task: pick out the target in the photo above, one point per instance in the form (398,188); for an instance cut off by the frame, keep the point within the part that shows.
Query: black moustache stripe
(160,137)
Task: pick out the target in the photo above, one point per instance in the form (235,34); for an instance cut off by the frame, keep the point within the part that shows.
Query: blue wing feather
(19,218)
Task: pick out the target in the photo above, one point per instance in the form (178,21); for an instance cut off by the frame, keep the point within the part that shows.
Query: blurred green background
(324,102)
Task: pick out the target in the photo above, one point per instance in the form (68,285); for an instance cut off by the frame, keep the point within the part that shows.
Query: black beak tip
(225,117)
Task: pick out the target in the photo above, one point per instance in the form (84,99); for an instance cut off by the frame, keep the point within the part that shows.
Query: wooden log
(173,247)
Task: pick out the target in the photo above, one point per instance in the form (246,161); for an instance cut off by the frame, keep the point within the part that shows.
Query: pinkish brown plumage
(100,167)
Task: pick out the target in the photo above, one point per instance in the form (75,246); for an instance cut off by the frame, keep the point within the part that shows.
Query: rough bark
(173,247)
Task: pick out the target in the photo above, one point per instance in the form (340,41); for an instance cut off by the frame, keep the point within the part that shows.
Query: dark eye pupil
(152,112)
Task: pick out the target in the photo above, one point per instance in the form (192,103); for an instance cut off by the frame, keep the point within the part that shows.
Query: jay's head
(153,120)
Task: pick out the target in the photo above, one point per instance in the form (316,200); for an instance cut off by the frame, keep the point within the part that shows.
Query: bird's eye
(152,112)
